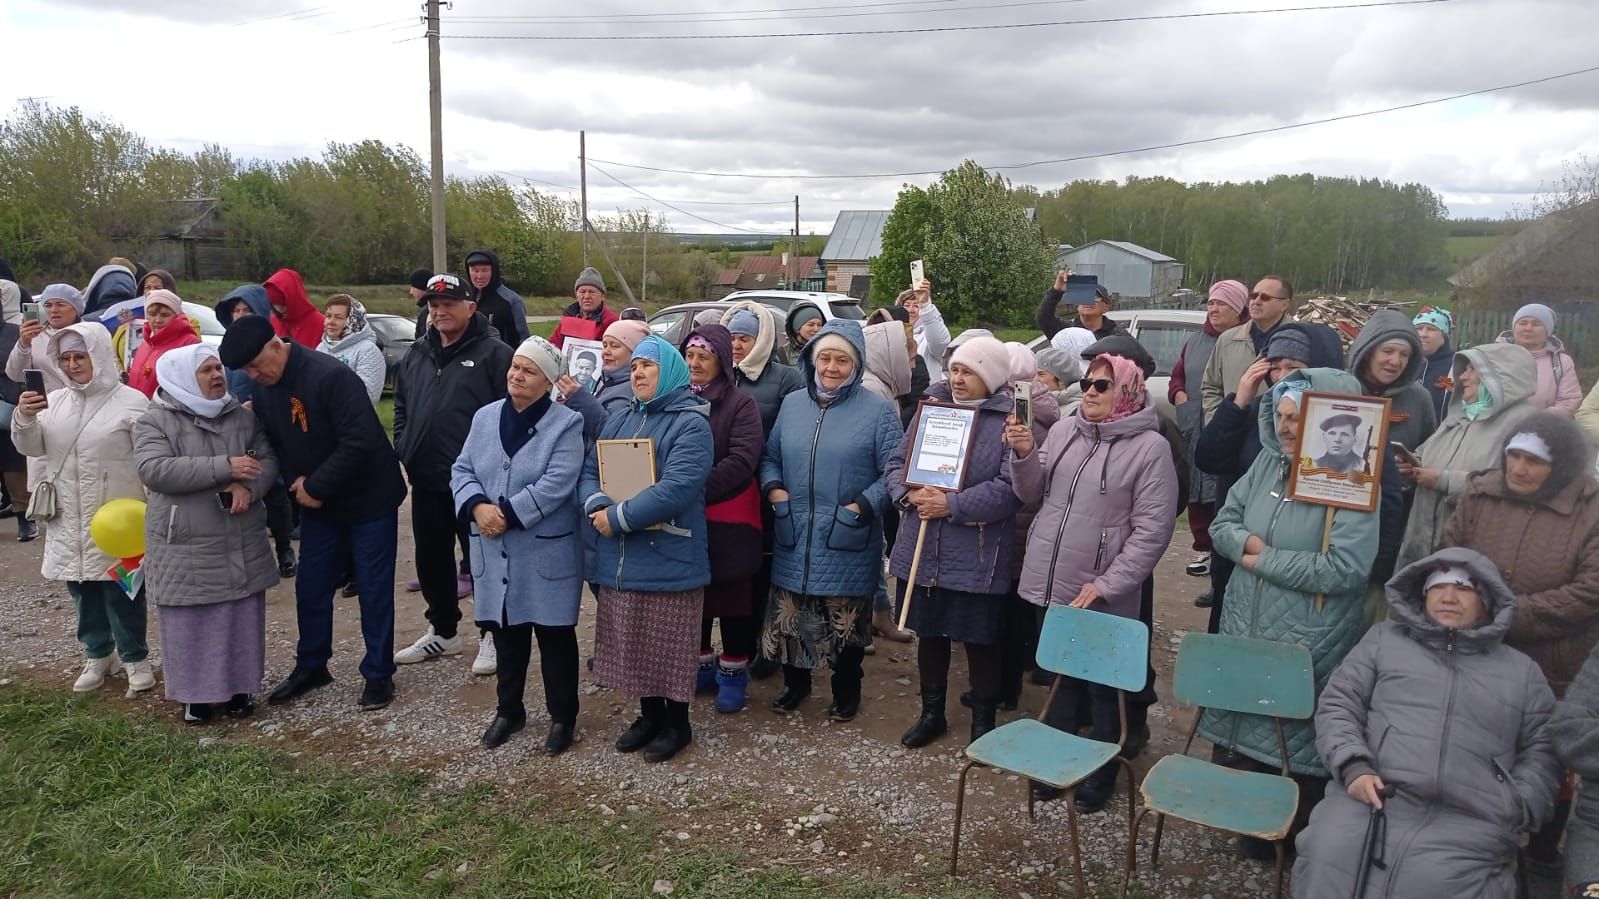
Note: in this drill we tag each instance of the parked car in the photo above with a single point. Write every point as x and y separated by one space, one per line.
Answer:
1163 332
395 334
211 329
673 323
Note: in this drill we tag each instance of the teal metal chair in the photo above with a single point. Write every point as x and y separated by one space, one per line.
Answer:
1235 674
1086 645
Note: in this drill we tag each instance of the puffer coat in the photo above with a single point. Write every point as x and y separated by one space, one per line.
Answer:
1458 723
1558 387
1276 601
828 456
195 553
1106 493
361 354
1574 730
96 469
1461 446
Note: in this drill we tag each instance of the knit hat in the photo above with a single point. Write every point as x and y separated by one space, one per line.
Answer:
803 314
629 333
1233 293
449 287
591 277
1061 364
1450 574
542 353
1072 340
64 292
244 341
1531 444
743 321
165 298
1538 311
1289 343
988 358
1437 316
421 277
164 276
1023 364
836 341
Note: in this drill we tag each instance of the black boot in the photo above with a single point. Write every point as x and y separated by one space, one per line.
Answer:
932 724
796 686
1093 793
1006 704
652 711
199 713
559 739
982 717
675 735
847 685
242 705
288 564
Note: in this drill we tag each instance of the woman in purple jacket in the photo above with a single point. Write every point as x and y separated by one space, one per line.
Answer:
965 571
1107 485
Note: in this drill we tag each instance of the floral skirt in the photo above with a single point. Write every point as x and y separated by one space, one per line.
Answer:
648 643
808 631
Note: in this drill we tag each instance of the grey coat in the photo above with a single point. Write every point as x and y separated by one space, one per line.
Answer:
1574 730
195 553
1458 723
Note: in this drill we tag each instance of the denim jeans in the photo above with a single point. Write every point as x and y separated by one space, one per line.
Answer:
109 621
324 547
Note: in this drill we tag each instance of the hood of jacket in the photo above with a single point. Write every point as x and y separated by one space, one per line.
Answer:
850 331
111 284
106 374
355 339
886 356
1324 380
765 338
1383 326
1508 372
253 295
1407 601
289 285
481 257
721 342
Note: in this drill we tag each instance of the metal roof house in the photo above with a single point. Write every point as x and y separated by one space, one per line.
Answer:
1129 270
856 239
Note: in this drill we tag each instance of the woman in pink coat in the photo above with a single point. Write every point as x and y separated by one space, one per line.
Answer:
1533 329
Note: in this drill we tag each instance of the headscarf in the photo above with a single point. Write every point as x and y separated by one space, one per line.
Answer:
356 321
1073 340
1294 389
177 371
1475 408
696 341
167 281
1129 389
544 355
674 371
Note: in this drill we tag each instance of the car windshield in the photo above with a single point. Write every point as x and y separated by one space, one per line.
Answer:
393 327
1165 341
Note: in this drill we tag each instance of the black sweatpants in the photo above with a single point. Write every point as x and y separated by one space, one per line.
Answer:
557 665
983 664
436 530
280 515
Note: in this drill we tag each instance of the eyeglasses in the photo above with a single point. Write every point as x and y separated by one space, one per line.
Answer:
1258 295
1098 385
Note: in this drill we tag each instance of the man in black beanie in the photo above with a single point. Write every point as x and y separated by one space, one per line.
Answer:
340 467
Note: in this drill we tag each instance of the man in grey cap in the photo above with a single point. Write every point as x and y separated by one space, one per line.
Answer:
587 318
1338 436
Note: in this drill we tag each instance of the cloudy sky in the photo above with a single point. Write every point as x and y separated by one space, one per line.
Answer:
275 80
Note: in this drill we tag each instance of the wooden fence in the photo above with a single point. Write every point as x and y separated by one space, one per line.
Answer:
1576 324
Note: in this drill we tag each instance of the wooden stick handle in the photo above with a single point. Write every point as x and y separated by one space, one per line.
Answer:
910 587
1326 541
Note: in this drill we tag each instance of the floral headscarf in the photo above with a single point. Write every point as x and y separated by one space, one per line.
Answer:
356 321
1129 391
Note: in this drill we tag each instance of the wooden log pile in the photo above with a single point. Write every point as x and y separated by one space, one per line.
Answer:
1342 314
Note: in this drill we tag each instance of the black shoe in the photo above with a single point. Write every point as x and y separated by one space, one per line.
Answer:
1137 739
500 730
288 564
932 724
1255 849
378 692
844 709
350 591
1008 704
982 719
300 682
241 706
199 713
761 669
651 714
675 735
1043 792
1204 600
1094 793
27 530
1042 677
796 686
559 739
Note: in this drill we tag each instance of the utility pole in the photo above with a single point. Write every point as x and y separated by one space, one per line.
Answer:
794 257
583 185
436 117
644 276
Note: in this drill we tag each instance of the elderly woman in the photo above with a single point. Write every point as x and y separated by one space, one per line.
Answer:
60 305
651 561
1433 706
1281 569
614 387
757 371
964 576
82 434
823 475
515 484
207 566
1574 731
1105 484
733 516
1386 356
1488 400
1533 330
347 337
165 328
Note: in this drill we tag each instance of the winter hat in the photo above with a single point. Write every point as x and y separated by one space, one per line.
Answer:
421 277
449 287
708 317
71 342
177 373
743 321
1553 436
1130 395
1233 293
1023 364
64 292
244 341
1289 343
803 314
835 341
590 277
1072 340
1061 364
1531 444
628 333
165 298
1437 316
1539 311
1450 574
988 358
542 353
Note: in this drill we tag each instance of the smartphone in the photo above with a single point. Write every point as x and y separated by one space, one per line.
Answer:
917 274
225 500
1023 399
33 380
1404 453
30 312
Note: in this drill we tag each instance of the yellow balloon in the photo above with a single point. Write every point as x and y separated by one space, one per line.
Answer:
118 528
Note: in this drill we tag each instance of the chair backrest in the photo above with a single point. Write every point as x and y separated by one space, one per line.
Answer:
1245 674
1095 646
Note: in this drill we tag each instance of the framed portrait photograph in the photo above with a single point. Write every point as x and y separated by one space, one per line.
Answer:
1342 439
584 361
940 445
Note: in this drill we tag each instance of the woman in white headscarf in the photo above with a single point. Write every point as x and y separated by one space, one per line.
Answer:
208 562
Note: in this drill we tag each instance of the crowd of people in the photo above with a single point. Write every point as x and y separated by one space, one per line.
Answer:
1452 628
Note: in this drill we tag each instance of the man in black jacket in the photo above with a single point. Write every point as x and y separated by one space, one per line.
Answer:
340 467
502 306
1092 299
457 369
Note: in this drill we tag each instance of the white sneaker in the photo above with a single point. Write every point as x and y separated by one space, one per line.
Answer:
141 676
95 671
428 646
488 658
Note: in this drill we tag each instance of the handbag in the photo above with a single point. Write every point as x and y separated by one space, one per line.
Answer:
42 506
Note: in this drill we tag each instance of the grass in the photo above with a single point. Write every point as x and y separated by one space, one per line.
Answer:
1465 250
391 299
99 802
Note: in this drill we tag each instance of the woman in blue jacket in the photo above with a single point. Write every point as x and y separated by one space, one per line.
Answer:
823 474
650 562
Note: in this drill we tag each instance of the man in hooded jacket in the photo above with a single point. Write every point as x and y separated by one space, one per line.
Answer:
499 305
111 284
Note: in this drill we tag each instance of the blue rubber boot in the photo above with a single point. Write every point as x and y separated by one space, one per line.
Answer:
732 684
705 681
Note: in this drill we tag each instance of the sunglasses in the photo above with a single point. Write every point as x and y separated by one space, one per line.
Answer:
1098 385
1258 295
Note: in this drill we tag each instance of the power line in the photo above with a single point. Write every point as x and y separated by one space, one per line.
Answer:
669 205
568 187
700 12
537 20
291 14
940 29
1126 152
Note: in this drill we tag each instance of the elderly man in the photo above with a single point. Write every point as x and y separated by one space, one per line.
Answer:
501 306
587 318
340 467
458 368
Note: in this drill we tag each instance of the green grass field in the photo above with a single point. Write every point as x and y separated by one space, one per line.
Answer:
1464 250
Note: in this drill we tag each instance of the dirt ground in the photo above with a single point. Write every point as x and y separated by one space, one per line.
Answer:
798 790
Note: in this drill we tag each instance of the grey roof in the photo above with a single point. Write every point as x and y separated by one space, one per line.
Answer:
857 235
1135 249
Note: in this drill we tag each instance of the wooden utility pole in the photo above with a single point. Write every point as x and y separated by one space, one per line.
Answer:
794 256
583 186
436 117
644 275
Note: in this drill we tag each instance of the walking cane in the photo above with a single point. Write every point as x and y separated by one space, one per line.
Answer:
1372 852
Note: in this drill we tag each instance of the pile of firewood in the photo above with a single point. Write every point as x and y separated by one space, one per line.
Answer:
1342 314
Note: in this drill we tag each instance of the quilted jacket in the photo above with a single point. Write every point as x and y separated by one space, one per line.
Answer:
1574 730
827 457
1459 724
1276 601
195 553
